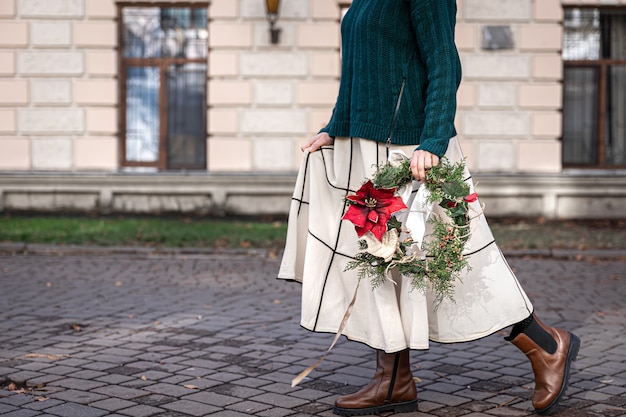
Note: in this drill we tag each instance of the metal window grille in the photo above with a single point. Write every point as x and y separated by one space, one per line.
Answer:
594 87
163 59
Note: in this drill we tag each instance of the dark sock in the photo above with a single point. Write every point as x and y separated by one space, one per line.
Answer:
520 327
541 337
536 333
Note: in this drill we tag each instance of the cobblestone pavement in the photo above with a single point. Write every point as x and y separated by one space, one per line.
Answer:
218 335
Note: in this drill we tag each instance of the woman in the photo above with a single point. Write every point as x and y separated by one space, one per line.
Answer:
400 74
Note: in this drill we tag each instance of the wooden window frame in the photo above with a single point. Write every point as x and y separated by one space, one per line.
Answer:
162 64
602 65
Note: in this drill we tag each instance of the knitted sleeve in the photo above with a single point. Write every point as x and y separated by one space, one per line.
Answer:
434 21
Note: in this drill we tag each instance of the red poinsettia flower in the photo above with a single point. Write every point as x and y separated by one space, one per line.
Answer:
371 208
471 198
451 204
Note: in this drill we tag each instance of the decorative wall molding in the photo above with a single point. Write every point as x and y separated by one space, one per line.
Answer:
562 196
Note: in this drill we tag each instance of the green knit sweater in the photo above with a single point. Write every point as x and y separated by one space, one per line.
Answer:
383 43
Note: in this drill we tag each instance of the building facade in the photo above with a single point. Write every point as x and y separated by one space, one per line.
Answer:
188 106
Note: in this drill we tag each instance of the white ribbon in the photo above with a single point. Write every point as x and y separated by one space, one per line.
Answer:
419 210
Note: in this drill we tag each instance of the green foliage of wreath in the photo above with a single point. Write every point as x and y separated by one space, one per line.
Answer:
444 247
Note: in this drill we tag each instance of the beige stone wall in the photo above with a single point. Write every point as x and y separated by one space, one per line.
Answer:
510 100
58 108
267 99
59 100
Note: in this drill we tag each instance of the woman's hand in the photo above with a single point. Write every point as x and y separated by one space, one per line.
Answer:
316 142
421 162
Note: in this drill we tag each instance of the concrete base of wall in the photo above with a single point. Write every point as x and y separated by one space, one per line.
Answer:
562 196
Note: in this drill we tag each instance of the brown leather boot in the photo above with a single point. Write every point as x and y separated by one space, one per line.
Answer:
551 369
391 389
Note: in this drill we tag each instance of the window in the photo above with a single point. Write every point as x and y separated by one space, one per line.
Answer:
594 88
163 76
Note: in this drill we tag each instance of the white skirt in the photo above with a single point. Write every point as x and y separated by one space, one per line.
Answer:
392 317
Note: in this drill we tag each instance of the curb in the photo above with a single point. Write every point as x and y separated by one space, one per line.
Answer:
574 254
68 250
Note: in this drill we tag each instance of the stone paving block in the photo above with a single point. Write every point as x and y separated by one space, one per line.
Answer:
194 353
113 415
610 390
153 375
502 400
174 359
427 406
592 395
118 351
140 346
479 374
34 366
152 357
477 406
141 411
508 411
74 396
44 380
73 362
114 379
155 400
204 364
441 398
123 370
16 400
252 382
280 400
313 408
112 404
224 377
587 385
483 366
281 388
250 369
23 376
346 380
275 412
201 383
235 391
120 392
168 389
249 407
229 413
443 387
457 380
5 408
100 366
203 372
21 413
77 384
515 371
76 410
105 342
176 380
114 359
191 408
212 398
41 405
62 370
137 383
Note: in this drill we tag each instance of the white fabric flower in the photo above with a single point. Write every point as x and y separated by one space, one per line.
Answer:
384 248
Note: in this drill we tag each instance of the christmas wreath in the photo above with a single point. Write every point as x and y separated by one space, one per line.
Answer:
386 243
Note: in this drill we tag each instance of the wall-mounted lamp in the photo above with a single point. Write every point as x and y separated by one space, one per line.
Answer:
272 16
